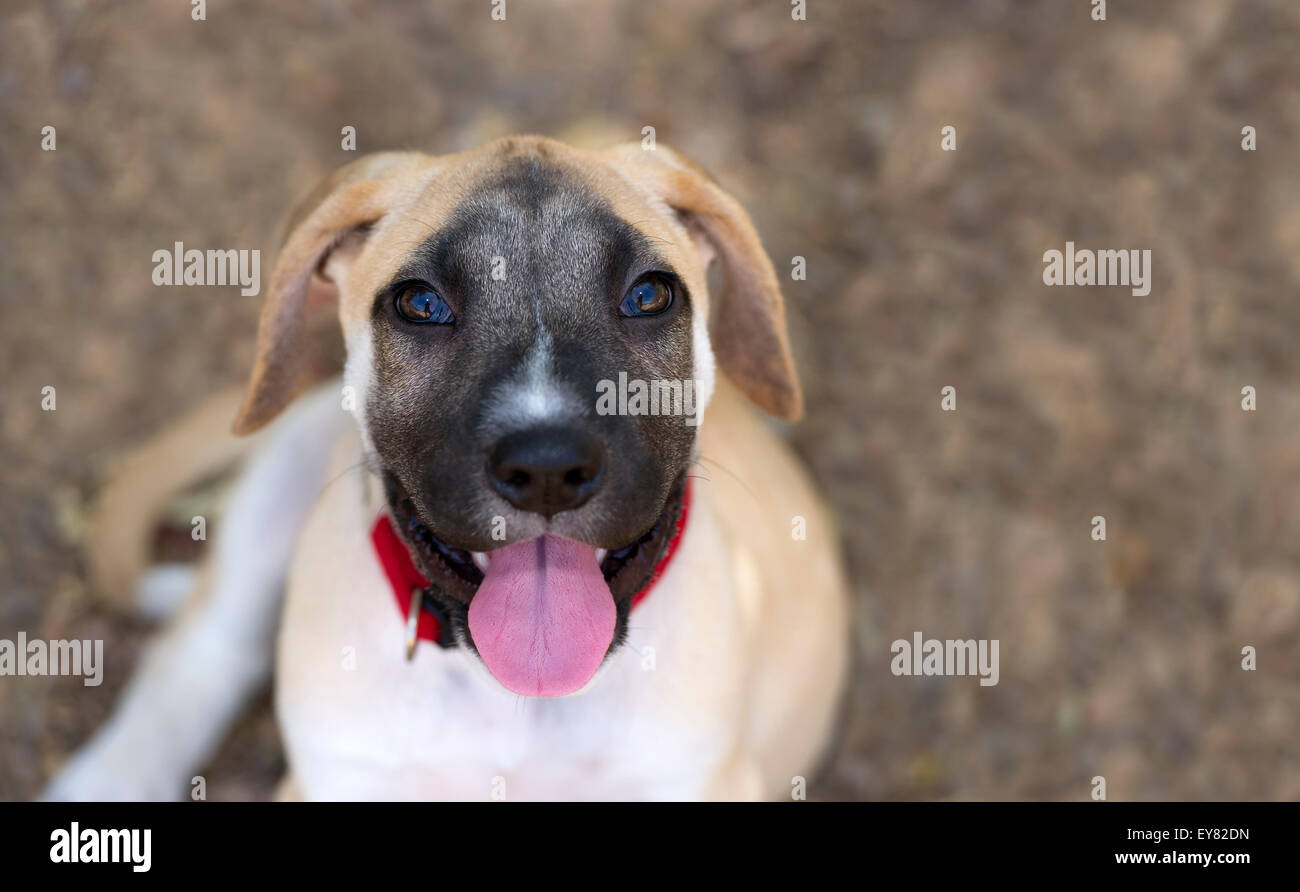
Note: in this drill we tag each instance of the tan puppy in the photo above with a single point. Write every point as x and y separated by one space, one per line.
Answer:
624 604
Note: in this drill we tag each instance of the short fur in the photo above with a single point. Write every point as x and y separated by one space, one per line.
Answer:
722 685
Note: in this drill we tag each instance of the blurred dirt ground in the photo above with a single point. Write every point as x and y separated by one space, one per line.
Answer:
1118 658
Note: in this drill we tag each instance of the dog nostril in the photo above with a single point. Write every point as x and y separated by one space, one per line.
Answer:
547 470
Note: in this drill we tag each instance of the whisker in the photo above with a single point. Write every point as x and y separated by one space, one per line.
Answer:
736 477
341 474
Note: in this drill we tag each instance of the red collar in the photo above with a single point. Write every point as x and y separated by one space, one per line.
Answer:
406 580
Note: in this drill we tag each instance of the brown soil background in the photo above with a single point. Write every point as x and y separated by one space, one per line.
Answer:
1118 658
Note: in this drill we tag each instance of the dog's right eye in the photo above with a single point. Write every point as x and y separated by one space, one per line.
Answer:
418 302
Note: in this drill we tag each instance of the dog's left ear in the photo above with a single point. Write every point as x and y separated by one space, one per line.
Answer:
747 326
351 199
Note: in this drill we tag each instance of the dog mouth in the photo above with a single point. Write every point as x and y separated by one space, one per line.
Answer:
544 613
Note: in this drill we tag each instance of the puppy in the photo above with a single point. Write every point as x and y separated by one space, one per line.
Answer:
522 563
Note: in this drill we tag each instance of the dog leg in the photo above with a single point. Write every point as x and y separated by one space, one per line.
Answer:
211 658
739 780
198 445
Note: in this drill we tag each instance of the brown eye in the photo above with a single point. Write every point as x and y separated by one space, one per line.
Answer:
419 303
648 297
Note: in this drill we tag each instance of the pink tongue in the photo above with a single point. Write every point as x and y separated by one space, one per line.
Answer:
543 617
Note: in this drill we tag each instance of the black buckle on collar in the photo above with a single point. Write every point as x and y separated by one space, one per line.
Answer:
445 637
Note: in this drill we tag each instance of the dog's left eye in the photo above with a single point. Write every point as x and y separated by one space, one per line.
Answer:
420 303
648 297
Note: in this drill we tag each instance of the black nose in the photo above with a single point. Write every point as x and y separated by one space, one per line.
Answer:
546 471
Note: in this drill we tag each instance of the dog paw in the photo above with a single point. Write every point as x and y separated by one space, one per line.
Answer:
92 776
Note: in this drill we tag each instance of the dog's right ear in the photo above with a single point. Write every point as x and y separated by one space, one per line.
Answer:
354 197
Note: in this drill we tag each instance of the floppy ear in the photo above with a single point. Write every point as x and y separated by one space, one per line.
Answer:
353 197
747 325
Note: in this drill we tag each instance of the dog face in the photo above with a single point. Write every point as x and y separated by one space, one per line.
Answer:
490 302
486 414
